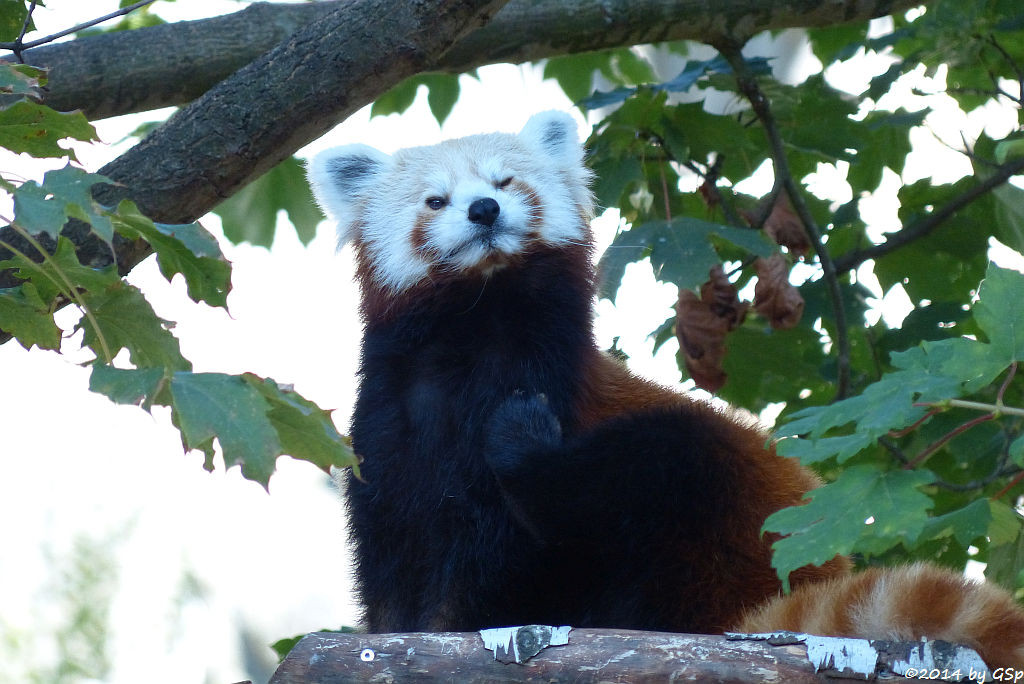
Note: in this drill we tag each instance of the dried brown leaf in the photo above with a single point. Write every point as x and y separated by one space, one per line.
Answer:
702 323
774 297
782 225
786 228
701 337
722 297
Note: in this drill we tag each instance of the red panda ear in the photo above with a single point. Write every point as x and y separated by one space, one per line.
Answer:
343 176
554 133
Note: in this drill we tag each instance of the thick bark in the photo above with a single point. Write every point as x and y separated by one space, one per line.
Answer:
167 65
283 100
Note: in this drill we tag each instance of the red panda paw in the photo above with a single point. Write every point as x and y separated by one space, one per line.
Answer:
903 604
522 429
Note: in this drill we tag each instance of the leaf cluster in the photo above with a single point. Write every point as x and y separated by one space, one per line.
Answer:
253 419
913 417
923 456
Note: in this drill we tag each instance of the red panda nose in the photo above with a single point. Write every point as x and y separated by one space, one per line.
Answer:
484 212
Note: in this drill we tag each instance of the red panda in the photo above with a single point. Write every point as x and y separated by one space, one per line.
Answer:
513 473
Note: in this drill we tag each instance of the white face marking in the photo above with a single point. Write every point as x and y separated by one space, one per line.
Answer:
411 212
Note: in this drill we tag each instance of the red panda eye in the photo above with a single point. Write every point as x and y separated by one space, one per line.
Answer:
505 183
436 203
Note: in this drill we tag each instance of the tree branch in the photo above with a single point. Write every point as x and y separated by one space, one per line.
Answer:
606 655
924 226
748 85
340 56
997 474
267 110
132 71
17 46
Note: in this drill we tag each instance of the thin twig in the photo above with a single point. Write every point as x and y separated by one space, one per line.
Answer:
1006 383
919 229
996 92
980 406
69 290
997 474
748 85
18 46
711 193
893 449
873 346
907 430
768 203
995 409
691 166
21 34
976 159
664 193
941 441
1013 483
1013 65
711 180
749 261
1002 468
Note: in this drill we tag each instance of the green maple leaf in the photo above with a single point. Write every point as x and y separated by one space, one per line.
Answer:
65 193
1009 225
253 419
834 521
226 407
442 93
186 249
250 215
120 317
127 386
681 251
36 129
37 212
21 79
998 312
24 314
12 19
966 524
305 430
60 270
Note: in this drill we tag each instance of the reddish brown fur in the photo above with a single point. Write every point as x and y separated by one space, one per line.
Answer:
418 237
610 390
918 604
904 603
925 601
536 206
380 303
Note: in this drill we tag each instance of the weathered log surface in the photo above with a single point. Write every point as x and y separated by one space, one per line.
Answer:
604 655
592 655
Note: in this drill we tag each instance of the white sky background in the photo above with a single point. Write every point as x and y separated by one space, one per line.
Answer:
74 465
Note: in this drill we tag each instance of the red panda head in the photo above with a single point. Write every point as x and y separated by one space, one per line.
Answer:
469 205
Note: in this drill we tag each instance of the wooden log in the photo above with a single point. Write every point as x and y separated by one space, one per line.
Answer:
606 655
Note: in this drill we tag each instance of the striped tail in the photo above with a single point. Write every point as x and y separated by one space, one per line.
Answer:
904 604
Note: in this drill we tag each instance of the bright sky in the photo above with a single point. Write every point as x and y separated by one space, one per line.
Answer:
200 557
